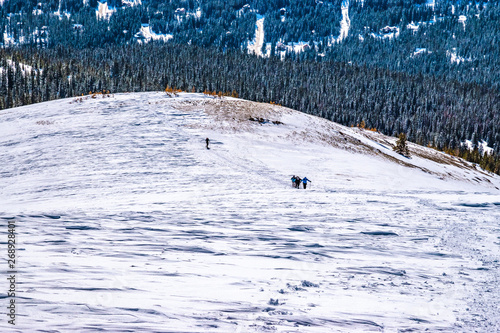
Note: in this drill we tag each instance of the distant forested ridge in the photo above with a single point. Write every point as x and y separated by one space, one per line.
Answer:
457 40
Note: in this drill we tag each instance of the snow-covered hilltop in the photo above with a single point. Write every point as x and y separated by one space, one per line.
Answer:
127 221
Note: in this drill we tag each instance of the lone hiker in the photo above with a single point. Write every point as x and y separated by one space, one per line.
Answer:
304 182
207 140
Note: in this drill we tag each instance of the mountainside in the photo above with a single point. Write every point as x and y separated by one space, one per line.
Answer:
457 40
127 222
430 111
429 69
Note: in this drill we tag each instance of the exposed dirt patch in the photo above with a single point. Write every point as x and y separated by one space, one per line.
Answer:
234 115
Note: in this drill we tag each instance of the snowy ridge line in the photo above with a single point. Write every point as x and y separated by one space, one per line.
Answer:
129 223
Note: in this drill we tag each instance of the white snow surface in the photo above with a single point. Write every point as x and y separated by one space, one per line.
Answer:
483 144
255 46
455 58
8 39
462 19
345 24
283 49
103 11
131 3
126 222
419 51
416 26
145 35
413 26
62 14
25 69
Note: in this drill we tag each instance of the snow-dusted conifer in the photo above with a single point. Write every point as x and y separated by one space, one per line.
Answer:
401 146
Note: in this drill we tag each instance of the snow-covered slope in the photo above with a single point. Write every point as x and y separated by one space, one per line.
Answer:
126 222
104 12
255 46
146 35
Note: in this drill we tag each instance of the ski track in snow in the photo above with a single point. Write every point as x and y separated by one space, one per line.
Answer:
345 25
255 46
127 223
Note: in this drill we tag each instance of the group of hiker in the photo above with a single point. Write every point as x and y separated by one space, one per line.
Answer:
296 180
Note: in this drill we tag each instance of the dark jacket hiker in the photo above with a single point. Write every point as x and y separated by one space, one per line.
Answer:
297 182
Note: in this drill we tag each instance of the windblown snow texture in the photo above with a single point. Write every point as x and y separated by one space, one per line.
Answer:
126 222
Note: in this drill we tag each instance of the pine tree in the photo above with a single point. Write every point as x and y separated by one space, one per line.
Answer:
401 146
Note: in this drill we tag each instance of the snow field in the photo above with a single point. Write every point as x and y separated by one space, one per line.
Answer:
127 222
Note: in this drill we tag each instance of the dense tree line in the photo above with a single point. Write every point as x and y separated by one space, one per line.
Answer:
456 40
430 110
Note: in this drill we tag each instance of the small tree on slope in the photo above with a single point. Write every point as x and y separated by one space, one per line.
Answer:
401 147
